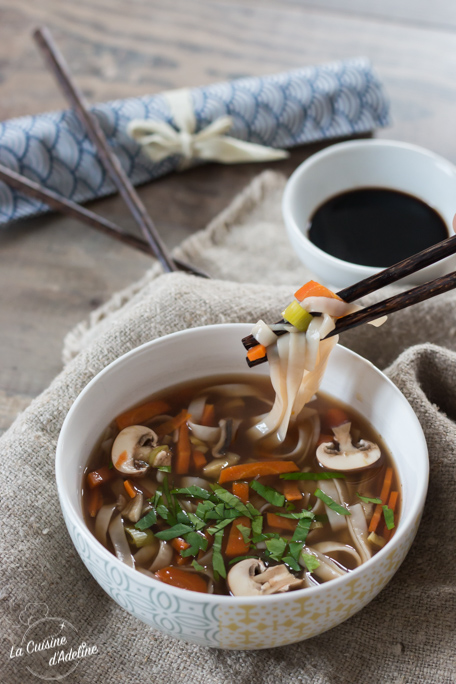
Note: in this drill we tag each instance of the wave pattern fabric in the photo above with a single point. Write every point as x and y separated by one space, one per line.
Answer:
284 110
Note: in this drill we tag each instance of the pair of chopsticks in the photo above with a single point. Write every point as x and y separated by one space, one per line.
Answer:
389 275
152 243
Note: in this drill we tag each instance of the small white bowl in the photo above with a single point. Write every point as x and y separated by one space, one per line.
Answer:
225 621
360 164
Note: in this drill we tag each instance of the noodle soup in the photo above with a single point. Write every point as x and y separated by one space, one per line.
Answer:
183 489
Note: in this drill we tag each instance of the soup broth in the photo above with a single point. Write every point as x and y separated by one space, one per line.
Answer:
215 499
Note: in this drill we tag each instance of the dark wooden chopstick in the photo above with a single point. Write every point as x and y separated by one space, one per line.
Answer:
389 275
59 67
387 306
65 206
396 303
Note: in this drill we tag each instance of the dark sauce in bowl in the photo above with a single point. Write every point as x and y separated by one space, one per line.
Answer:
375 226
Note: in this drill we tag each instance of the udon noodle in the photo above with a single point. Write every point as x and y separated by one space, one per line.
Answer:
227 485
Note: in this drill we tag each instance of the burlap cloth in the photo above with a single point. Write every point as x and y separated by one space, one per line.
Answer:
405 635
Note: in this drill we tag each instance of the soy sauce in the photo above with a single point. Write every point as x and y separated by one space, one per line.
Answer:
375 226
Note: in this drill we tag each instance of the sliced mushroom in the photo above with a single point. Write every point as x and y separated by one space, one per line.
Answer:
342 454
251 578
132 448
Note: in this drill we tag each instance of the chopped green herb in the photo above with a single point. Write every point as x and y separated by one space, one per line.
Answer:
155 500
321 519
163 512
164 469
252 510
182 517
298 515
197 566
173 532
194 491
369 499
257 527
312 476
203 509
217 558
240 558
302 530
268 493
197 541
147 521
276 548
310 561
295 549
290 561
231 501
196 521
290 507
388 514
220 526
245 531
110 465
333 505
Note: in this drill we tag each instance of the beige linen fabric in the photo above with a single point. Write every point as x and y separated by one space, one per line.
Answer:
406 635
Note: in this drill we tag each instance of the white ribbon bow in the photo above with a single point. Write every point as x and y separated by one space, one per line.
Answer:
160 140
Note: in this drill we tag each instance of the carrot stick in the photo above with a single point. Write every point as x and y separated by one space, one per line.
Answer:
199 459
256 352
95 501
180 560
179 544
241 489
131 491
140 414
383 496
248 471
274 520
100 476
392 501
182 578
236 545
184 450
314 289
291 490
208 417
173 424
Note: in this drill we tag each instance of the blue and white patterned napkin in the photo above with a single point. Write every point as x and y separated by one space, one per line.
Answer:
281 111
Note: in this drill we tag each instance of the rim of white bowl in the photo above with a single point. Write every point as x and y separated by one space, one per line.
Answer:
339 148
77 519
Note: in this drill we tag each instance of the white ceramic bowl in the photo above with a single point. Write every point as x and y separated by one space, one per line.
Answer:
224 621
359 164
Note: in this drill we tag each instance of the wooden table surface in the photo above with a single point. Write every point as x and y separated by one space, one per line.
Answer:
53 270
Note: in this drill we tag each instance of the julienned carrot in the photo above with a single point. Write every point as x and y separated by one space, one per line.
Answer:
236 545
98 477
131 491
179 544
335 417
248 471
181 560
95 501
140 414
184 450
291 490
383 496
171 425
182 579
314 289
392 502
257 352
274 520
241 489
199 459
208 417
